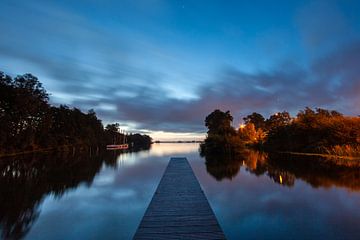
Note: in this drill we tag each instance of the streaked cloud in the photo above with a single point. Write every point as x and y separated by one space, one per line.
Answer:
160 67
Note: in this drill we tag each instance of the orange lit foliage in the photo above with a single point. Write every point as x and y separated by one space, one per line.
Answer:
317 131
250 135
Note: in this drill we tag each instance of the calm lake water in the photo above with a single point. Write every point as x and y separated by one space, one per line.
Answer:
105 197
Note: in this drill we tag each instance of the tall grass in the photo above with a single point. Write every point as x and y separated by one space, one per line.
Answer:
343 150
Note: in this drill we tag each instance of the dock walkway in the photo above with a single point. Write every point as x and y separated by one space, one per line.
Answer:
179 208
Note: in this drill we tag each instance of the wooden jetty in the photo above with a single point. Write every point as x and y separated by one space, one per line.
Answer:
179 208
117 147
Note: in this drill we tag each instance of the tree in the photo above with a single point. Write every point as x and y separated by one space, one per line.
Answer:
250 135
23 110
113 128
255 118
219 123
112 134
277 120
139 141
222 137
7 99
317 130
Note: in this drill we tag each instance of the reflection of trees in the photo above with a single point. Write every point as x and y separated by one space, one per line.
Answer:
316 171
281 177
258 164
285 169
25 181
255 162
222 166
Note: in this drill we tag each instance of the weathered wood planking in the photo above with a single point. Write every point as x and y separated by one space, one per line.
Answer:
179 208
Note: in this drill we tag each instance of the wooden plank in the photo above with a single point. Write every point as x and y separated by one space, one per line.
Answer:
179 208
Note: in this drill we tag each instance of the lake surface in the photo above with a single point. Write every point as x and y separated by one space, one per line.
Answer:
105 196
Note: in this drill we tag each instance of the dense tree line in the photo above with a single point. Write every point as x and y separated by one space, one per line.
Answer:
319 131
312 131
28 122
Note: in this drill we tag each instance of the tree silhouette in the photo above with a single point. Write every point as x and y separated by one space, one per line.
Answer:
222 137
278 120
255 118
219 123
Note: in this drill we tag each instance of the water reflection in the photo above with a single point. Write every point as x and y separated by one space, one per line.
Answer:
221 167
281 197
284 169
162 149
26 180
105 196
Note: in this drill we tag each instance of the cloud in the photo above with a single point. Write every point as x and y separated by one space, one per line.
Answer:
341 72
331 82
130 76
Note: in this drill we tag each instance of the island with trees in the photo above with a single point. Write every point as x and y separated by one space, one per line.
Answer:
29 123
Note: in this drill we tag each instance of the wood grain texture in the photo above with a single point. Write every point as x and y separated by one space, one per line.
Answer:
179 208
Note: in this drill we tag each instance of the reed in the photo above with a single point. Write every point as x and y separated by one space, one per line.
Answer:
343 150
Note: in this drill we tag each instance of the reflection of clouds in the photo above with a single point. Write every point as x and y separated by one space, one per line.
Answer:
254 207
248 207
112 207
157 150
163 149
124 193
129 159
103 179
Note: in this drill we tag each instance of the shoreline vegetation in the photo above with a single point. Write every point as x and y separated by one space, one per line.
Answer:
319 133
29 123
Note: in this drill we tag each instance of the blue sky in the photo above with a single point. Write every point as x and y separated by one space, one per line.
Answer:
160 67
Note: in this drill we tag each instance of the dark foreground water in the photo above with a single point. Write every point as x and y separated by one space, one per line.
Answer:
104 197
